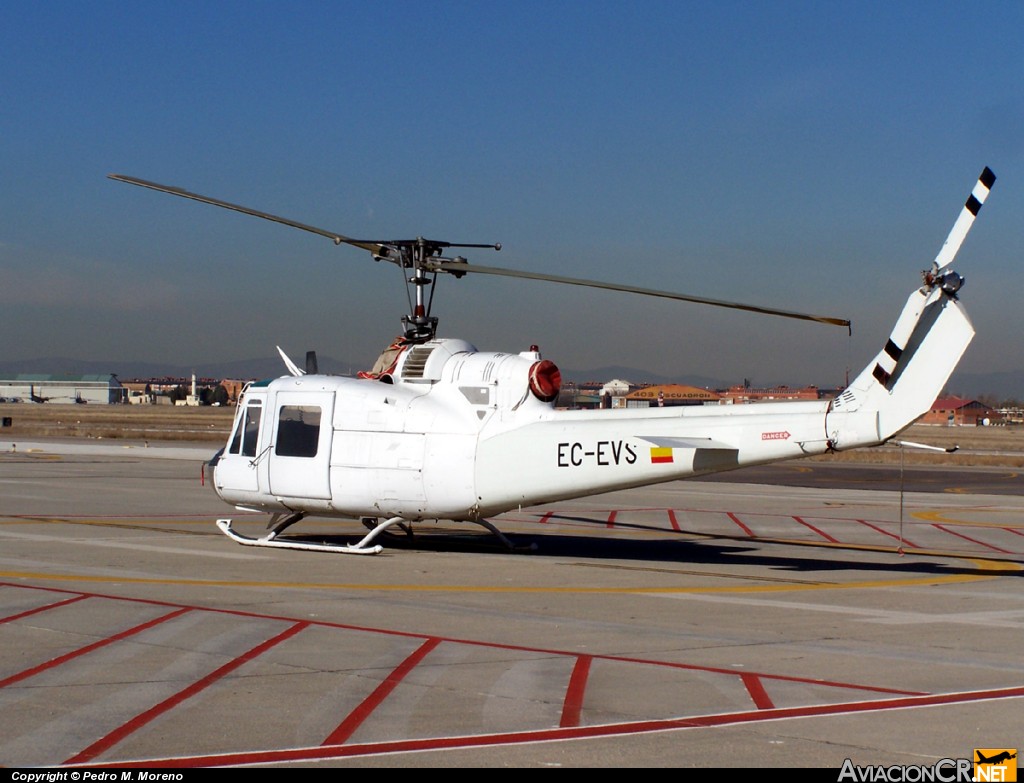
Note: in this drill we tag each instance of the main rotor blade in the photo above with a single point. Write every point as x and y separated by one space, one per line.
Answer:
374 247
379 250
965 219
460 268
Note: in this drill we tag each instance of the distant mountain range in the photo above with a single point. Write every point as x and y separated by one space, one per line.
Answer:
1001 385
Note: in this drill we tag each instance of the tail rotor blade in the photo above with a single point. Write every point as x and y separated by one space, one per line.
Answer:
965 220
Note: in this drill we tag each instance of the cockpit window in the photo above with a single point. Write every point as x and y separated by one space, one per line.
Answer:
298 431
244 440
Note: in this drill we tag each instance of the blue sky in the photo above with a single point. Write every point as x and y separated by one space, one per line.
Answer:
808 156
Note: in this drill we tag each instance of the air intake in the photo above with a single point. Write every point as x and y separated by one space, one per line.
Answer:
416 361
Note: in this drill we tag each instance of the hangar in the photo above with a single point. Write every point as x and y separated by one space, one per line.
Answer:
40 387
669 394
960 412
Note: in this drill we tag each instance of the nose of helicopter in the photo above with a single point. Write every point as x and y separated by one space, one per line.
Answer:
210 466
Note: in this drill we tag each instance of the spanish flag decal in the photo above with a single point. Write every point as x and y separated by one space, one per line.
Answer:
661 454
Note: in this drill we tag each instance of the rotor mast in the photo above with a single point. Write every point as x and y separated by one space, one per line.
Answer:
420 325
423 257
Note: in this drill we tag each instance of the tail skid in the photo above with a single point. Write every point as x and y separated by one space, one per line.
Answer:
925 346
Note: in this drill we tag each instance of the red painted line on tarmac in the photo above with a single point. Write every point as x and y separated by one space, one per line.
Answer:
972 540
611 519
38 609
755 687
487 645
146 601
572 707
887 533
60 659
42 589
382 691
821 533
118 734
743 527
584 732
1013 530
673 521
762 675
544 519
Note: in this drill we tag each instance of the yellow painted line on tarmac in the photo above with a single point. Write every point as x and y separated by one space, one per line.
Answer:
967 490
991 569
988 568
36 454
941 516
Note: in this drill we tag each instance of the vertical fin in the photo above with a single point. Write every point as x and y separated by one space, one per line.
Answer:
922 351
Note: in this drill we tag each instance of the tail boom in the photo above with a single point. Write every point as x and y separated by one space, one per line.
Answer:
908 374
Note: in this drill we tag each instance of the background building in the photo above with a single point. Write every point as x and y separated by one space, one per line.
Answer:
666 394
959 411
40 387
745 393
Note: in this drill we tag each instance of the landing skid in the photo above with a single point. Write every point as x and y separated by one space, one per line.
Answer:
271 540
360 548
503 538
370 523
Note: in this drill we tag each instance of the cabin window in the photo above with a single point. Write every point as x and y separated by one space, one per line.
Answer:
298 431
244 441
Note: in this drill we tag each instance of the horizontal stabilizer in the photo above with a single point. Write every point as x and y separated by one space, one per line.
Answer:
687 443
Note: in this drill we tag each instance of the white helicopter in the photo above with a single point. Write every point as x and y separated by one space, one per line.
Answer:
441 431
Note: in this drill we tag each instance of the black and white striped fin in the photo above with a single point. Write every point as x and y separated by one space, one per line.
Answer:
889 357
965 220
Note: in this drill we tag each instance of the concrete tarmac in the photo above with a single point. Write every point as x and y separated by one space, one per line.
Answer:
717 623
